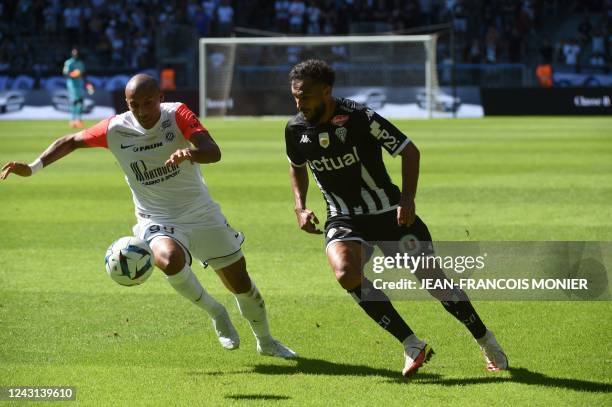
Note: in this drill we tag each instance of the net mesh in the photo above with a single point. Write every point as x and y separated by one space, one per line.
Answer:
249 78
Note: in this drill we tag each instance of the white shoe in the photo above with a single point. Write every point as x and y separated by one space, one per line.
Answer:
228 337
417 353
272 347
493 353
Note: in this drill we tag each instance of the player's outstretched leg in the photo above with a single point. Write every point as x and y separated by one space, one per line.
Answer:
345 259
253 308
170 258
457 303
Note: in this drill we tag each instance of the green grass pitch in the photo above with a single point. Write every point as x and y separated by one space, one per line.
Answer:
64 322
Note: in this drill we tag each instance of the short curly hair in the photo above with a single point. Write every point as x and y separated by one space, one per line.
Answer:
314 69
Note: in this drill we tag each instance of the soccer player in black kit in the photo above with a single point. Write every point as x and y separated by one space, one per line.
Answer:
342 141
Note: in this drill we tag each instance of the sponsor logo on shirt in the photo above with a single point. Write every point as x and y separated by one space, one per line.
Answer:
389 141
153 176
340 119
341 133
143 148
324 139
335 163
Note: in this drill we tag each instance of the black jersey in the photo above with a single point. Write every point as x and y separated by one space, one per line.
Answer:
345 157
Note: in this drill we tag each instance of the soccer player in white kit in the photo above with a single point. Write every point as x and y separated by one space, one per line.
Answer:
158 146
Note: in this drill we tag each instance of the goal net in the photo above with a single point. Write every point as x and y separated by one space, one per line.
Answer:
393 74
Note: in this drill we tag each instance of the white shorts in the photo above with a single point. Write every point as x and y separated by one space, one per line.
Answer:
211 240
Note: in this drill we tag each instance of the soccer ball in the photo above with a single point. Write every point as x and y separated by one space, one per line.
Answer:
129 261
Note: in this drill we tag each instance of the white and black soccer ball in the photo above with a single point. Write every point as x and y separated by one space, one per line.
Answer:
129 261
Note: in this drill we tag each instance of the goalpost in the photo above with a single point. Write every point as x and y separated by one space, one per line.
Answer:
249 76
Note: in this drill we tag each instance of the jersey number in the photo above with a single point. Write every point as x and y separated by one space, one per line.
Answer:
157 228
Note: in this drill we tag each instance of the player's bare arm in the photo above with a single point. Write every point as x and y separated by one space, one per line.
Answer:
57 150
306 218
406 211
204 151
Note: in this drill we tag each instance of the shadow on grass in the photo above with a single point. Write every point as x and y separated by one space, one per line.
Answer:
526 376
323 367
517 375
257 397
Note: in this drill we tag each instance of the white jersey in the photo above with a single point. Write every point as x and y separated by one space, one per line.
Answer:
175 193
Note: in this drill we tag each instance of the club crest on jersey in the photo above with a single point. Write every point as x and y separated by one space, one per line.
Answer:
324 139
341 133
340 119
170 136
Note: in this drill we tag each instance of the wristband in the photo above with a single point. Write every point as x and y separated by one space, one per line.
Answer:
36 166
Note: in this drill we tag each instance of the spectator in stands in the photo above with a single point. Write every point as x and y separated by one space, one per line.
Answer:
297 9
474 52
598 40
72 22
544 73
117 55
202 22
225 19
571 51
491 45
281 15
51 14
313 13
328 24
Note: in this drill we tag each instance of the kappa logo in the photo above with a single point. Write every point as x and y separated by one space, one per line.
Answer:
339 232
340 119
341 134
304 139
324 139
369 113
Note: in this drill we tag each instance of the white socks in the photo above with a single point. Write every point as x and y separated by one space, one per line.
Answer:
251 304
187 284
252 307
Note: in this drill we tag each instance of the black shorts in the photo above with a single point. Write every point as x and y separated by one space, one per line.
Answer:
381 230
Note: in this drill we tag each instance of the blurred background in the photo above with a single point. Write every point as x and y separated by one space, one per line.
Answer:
494 44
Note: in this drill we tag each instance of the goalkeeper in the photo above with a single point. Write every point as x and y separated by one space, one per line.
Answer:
74 70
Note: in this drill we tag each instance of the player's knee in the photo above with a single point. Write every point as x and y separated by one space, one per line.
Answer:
348 276
170 260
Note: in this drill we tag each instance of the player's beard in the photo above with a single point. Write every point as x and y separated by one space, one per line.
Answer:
317 113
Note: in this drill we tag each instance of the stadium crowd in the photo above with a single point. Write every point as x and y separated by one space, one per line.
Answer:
122 34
